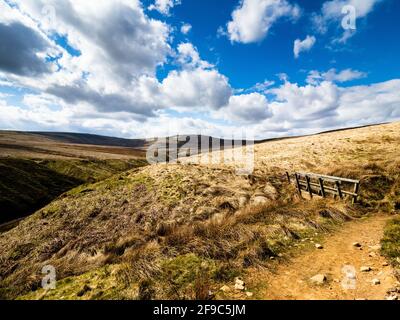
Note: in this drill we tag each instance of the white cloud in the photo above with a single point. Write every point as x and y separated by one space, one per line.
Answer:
164 6
332 75
252 20
112 88
196 88
139 45
247 108
331 12
303 45
333 9
188 56
304 103
186 27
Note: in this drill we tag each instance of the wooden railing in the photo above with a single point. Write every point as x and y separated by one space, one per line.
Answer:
321 185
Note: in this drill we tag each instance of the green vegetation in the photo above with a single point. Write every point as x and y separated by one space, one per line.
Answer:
28 185
25 186
181 231
391 240
92 170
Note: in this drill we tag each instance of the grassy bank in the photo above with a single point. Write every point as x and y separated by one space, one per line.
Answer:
28 185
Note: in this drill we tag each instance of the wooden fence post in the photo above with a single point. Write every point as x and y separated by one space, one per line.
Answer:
309 186
321 184
288 176
356 190
339 190
298 184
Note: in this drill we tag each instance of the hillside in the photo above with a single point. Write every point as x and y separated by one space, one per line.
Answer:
67 146
182 230
36 169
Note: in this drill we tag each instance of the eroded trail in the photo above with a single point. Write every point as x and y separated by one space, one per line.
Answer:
291 280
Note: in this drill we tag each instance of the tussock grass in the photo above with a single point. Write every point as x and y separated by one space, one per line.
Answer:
182 230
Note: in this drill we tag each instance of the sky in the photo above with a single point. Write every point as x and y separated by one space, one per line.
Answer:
151 68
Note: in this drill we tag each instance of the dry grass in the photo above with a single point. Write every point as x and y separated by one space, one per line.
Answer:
179 231
32 146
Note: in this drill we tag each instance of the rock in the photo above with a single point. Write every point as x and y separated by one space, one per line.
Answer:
372 254
357 245
319 246
385 264
375 282
392 297
319 279
239 287
225 289
249 294
365 269
270 190
243 200
239 284
259 200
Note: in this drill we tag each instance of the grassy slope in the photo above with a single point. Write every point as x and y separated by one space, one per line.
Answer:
27 185
391 244
177 231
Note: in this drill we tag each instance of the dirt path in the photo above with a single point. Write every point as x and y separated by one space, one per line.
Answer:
291 280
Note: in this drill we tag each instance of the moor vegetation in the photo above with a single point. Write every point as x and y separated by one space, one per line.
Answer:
182 231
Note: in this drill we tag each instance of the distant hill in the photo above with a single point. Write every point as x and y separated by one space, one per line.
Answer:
92 139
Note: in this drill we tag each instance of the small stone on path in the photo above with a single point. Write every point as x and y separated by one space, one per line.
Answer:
319 279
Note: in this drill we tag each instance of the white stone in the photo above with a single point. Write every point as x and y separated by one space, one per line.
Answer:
319 279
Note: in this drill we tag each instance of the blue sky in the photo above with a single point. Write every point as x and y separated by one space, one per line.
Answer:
128 68
373 49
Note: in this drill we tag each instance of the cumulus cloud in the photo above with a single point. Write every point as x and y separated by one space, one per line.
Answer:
112 87
23 50
164 6
196 88
303 45
331 12
252 19
186 27
188 56
332 75
305 103
247 108
109 69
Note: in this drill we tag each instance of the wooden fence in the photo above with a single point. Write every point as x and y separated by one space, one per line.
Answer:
321 185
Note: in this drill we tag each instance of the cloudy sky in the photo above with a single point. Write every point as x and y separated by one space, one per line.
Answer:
149 68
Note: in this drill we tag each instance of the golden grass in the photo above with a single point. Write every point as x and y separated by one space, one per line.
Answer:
151 220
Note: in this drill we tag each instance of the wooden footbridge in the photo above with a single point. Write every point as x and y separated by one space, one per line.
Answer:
321 185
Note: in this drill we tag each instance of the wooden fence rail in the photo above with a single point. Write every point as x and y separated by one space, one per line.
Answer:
321 185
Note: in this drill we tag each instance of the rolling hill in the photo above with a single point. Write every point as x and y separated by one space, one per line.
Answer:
182 230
